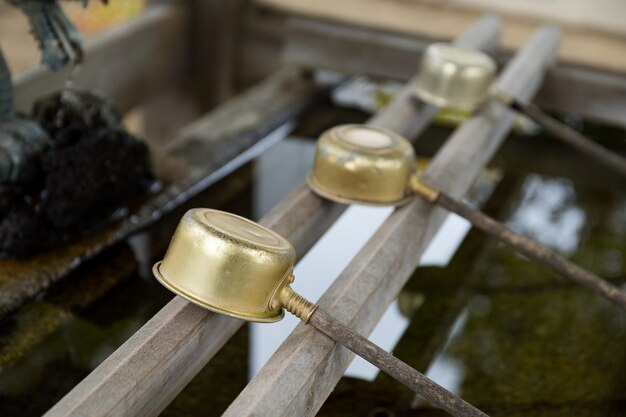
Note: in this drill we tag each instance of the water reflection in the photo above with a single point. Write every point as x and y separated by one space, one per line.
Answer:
446 370
281 168
548 213
554 347
506 333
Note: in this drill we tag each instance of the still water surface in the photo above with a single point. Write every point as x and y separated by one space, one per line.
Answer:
502 331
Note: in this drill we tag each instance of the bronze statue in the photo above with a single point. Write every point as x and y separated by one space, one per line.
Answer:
56 35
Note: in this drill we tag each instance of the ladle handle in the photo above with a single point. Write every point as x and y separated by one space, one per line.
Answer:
572 137
393 366
533 250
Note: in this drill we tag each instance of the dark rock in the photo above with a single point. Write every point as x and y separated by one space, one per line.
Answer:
88 180
89 168
22 142
24 231
6 201
75 108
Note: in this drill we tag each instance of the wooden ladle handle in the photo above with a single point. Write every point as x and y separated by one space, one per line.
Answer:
533 250
393 366
571 137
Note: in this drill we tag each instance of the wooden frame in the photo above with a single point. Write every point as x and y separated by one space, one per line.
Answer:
590 44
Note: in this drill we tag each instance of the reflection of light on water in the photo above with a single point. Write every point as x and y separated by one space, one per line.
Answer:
364 93
446 371
332 253
617 220
280 168
447 240
548 215
393 324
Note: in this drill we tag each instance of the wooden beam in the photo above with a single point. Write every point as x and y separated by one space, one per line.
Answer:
154 365
262 45
129 63
216 29
304 370
607 17
596 95
591 93
313 43
581 45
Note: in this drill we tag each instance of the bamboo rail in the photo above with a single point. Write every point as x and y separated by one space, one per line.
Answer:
155 364
304 370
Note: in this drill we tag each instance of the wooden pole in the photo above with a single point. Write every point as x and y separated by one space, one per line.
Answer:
567 135
530 248
393 366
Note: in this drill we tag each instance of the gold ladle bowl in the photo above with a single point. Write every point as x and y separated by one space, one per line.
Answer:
454 76
363 165
360 164
228 264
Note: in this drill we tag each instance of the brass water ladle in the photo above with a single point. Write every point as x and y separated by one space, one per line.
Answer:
462 78
233 266
365 165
